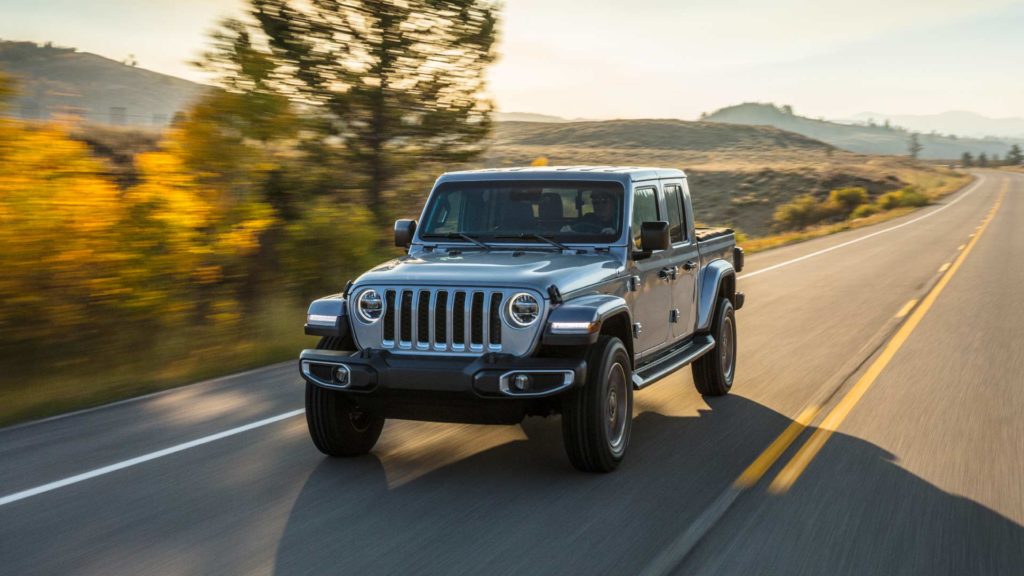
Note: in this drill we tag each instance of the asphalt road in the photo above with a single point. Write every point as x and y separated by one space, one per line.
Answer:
921 470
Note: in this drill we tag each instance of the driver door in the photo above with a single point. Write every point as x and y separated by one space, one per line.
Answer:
652 299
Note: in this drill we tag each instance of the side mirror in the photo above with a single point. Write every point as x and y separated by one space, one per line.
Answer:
654 236
404 231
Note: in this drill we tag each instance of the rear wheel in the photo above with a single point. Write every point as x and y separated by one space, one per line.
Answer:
336 424
713 372
597 418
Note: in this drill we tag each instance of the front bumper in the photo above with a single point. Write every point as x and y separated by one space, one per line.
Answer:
452 389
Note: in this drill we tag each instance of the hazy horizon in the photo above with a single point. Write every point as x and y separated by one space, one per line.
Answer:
653 58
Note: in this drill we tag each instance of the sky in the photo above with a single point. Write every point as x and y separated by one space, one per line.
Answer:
651 58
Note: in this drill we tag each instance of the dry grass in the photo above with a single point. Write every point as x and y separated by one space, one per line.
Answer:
936 188
178 358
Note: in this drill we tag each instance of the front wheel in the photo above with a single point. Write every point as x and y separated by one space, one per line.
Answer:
336 424
713 372
597 418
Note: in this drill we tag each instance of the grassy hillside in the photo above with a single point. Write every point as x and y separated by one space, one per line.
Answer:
863 139
652 134
53 81
738 175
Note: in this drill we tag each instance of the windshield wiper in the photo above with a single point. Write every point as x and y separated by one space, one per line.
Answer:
461 236
526 235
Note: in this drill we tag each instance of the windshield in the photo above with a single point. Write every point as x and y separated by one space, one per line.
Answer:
560 211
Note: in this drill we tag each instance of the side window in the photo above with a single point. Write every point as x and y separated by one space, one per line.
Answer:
674 202
645 209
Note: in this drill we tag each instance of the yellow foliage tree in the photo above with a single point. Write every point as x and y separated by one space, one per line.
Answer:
60 248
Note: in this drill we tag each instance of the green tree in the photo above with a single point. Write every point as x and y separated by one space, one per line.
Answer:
982 160
967 160
1014 157
914 145
397 82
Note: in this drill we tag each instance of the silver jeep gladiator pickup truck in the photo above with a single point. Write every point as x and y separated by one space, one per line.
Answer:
528 292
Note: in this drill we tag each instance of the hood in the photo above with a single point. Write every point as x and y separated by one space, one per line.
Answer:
532 269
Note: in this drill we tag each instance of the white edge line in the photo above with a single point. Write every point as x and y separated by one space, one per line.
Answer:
962 195
144 458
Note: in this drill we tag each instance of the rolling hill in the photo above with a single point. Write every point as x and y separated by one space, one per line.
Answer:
739 174
651 134
863 139
53 81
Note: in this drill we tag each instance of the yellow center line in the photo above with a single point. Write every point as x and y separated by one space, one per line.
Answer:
789 474
758 467
906 308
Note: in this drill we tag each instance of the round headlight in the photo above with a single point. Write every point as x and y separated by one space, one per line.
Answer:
370 306
523 310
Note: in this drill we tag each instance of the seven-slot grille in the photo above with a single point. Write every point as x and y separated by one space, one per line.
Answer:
442 319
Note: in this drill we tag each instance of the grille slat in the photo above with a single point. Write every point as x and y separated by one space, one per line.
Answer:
405 314
495 323
442 320
423 318
458 316
477 319
467 320
390 321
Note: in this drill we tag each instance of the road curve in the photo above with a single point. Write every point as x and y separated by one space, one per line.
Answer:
922 475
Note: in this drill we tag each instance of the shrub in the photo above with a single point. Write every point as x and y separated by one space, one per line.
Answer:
865 210
845 200
803 211
911 197
901 198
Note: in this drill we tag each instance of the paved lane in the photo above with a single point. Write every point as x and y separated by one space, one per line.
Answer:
925 475
463 499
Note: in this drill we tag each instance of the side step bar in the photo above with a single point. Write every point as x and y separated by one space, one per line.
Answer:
673 360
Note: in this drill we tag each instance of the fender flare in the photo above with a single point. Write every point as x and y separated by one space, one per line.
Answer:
588 312
328 316
712 277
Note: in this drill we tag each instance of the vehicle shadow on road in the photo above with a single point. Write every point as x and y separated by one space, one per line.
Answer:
519 508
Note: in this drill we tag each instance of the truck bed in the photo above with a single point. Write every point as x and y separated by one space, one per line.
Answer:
704 234
714 244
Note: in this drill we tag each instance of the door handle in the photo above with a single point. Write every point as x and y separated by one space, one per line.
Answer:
669 272
689 265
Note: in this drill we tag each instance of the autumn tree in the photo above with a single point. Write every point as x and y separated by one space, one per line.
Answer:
397 82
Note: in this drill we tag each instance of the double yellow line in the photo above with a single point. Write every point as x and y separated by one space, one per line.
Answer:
795 467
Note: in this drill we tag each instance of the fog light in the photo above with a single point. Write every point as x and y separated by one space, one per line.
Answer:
521 382
341 375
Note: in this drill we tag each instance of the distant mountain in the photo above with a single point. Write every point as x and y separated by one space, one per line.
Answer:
53 81
863 139
959 122
527 117
651 135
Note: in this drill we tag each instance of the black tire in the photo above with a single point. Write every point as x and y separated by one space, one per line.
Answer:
596 419
336 425
714 372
